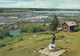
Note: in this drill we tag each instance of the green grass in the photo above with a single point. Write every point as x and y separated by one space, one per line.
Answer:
28 44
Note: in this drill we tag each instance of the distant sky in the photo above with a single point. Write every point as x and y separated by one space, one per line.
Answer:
69 4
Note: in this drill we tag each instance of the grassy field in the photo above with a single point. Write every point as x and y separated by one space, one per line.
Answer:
28 44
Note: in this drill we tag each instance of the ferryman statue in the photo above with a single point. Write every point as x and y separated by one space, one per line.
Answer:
52 45
53 26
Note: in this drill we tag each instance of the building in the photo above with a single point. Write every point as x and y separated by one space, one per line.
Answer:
69 26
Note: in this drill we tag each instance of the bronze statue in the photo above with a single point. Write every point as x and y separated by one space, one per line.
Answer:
53 38
52 45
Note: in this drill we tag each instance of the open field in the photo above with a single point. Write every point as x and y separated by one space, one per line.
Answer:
28 44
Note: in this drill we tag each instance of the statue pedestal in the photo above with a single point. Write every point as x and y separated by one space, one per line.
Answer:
47 52
52 47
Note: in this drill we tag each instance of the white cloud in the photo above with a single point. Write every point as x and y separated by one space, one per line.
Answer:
40 3
31 4
70 4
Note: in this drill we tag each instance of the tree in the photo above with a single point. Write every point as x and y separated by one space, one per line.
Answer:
54 24
35 28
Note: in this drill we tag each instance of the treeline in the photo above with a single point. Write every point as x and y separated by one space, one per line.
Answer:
34 28
35 9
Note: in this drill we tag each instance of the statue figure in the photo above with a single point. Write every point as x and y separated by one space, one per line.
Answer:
53 38
52 44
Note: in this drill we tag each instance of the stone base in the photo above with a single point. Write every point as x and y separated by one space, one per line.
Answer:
52 47
46 52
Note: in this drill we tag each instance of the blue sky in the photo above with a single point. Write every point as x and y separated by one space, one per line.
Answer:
40 4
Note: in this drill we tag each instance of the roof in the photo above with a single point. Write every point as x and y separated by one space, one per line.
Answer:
71 23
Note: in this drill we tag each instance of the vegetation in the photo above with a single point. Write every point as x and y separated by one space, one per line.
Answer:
28 44
3 34
33 28
34 9
35 37
54 24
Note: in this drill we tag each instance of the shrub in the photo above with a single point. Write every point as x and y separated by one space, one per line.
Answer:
1 37
10 49
2 45
4 33
21 39
35 28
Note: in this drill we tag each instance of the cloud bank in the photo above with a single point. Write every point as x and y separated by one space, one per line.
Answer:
40 4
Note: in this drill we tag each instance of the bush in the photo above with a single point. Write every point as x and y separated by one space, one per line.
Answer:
23 29
4 33
10 49
2 45
21 39
35 28
1 37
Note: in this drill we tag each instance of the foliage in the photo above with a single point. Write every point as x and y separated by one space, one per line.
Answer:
54 24
35 28
4 33
35 9
2 45
23 28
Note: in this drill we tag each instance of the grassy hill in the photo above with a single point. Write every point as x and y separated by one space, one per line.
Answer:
28 44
